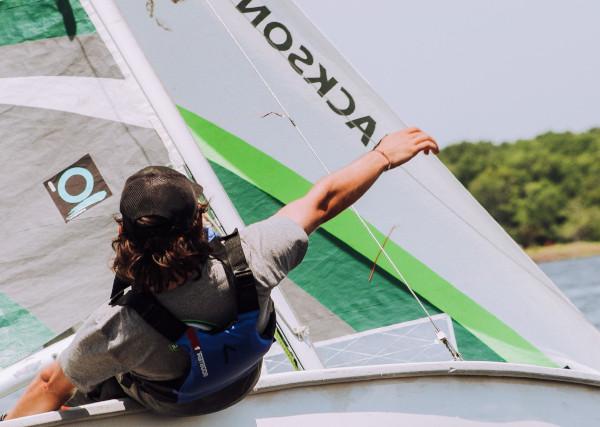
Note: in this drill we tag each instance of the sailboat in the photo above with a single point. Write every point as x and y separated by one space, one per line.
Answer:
413 308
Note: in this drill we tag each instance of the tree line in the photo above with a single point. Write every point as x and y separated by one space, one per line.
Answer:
543 190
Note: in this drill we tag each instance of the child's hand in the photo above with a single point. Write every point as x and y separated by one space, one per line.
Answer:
399 147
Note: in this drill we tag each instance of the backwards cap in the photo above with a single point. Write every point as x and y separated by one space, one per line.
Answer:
159 191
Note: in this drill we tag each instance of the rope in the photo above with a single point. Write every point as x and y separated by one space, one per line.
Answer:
439 334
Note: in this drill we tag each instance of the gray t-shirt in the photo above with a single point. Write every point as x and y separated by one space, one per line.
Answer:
115 340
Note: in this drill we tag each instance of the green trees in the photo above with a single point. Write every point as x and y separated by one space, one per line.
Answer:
542 190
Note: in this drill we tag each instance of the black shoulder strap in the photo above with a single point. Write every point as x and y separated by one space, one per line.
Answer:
228 250
118 288
148 308
155 314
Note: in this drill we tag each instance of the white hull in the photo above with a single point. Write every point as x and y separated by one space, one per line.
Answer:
431 394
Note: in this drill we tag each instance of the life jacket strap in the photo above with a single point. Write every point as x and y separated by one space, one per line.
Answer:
228 250
118 288
154 314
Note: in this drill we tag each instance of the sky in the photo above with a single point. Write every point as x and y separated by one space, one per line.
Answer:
474 69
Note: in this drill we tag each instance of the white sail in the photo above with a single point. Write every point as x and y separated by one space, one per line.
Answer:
72 120
261 72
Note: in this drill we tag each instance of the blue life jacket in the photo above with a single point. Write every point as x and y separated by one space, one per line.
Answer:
218 358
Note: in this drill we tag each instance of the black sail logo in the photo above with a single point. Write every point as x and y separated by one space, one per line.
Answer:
303 62
77 188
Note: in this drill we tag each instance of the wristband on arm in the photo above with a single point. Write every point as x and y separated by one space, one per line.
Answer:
389 165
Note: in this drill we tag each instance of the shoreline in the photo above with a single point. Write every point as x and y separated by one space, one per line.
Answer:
563 251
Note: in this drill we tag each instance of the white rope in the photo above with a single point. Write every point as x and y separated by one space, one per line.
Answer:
439 334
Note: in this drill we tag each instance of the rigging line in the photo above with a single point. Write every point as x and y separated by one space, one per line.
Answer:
267 86
407 172
480 234
373 268
439 333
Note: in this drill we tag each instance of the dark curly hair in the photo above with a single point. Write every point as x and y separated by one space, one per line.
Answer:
162 260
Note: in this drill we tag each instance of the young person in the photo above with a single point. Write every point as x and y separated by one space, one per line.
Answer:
133 347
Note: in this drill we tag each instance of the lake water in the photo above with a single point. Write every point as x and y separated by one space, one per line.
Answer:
579 279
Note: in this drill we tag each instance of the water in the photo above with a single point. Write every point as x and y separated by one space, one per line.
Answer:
579 279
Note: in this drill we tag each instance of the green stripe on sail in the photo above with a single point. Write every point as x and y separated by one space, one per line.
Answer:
330 266
27 20
285 185
20 332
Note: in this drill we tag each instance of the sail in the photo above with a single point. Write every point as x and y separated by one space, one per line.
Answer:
75 121
274 106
